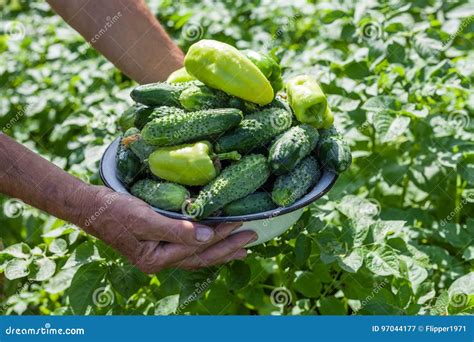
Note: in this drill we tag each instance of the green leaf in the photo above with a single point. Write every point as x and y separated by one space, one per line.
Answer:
17 268
302 249
19 250
332 306
167 306
87 252
352 262
395 53
42 269
427 47
308 284
382 261
127 279
85 282
58 246
440 308
356 70
380 103
61 281
238 275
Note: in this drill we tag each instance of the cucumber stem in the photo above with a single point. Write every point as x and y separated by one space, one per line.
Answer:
234 155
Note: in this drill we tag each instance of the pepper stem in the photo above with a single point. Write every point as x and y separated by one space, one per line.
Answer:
234 155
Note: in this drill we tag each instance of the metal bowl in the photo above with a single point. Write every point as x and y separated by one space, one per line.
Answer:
267 225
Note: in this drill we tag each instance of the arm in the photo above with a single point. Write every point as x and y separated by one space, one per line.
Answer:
126 33
124 222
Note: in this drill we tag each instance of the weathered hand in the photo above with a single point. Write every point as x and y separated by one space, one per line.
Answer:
153 242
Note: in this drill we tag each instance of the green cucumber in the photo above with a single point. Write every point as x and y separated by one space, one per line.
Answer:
291 147
139 146
256 130
200 96
334 154
166 196
290 187
235 181
128 165
189 126
159 94
146 114
257 202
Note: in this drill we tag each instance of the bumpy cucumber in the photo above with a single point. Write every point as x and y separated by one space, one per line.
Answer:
292 186
189 126
236 181
328 132
127 119
159 94
291 147
128 165
146 114
254 203
166 196
255 130
139 147
334 154
200 96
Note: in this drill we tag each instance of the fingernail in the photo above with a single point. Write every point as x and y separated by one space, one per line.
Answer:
236 225
204 233
254 238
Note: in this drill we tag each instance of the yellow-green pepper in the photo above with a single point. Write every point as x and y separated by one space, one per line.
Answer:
189 164
308 101
221 66
180 76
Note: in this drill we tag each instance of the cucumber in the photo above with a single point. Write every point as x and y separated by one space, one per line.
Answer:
189 126
200 96
334 154
255 130
291 147
159 94
257 202
328 132
288 188
166 196
139 147
236 181
146 114
127 119
128 165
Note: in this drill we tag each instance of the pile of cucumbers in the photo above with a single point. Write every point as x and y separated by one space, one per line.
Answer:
225 136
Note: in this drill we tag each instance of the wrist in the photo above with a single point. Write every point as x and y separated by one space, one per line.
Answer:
91 199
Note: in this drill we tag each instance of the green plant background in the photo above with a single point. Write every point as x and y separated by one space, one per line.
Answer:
395 235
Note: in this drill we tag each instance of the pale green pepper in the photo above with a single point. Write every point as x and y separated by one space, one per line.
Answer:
308 101
180 76
221 66
189 164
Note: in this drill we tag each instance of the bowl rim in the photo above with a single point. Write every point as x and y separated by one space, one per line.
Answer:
108 175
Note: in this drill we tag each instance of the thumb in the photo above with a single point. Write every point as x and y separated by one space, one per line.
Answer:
178 231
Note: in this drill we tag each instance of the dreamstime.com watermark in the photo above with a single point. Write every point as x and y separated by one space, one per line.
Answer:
457 209
200 288
109 22
291 22
109 200
461 28
46 330
19 114
372 294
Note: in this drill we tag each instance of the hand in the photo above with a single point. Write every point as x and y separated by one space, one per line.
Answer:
153 242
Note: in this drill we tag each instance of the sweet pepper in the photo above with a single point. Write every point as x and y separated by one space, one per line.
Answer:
189 164
221 66
308 101
179 76
268 66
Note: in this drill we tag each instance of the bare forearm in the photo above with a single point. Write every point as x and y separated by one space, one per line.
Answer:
126 33
36 181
